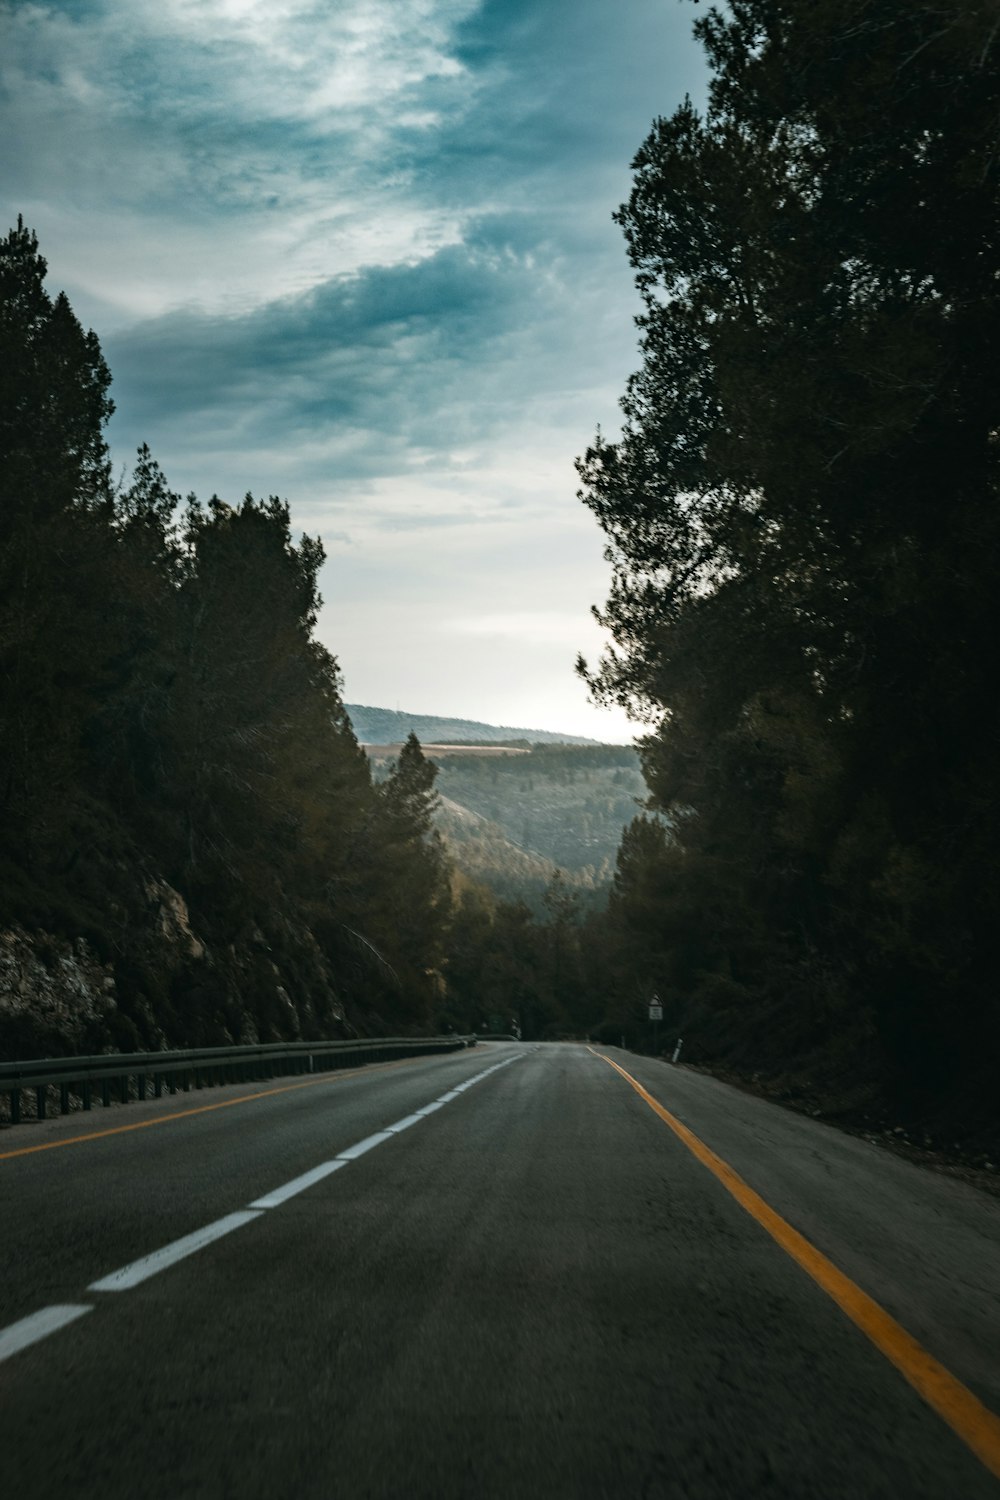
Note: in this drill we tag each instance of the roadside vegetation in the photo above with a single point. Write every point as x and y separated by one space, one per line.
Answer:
801 518
192 846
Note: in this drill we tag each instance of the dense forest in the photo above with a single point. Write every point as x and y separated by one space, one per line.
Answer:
801 516
192 848
554 808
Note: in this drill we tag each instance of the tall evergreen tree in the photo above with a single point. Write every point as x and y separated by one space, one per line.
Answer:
54 514
412 874
801 512
54 400
175 756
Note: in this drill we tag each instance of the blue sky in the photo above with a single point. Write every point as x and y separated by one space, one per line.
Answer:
360 254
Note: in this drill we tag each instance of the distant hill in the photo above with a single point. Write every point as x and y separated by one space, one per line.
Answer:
386 726
514 818
561 805
552 803
482 850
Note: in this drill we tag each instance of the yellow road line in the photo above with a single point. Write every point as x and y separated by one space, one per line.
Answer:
201 1109
964 1413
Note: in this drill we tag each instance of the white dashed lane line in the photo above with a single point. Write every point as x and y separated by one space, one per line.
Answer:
299 1184
362 1147
29 1330
50 1319
150 1265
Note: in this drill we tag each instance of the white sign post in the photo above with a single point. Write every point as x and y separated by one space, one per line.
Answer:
656 1016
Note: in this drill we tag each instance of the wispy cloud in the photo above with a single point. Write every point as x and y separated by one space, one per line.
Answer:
361 255
408 370
221 153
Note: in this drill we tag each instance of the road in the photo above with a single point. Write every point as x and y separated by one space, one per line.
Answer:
540 1287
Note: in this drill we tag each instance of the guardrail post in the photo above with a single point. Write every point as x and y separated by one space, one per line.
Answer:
85 1093
15 1106
157 1085
40 1098
106 1092
64 1098
140 1085
123 1093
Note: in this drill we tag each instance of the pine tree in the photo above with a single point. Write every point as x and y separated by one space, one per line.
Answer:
801 513
54 517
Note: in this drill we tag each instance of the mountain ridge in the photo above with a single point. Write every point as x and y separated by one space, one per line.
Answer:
387 726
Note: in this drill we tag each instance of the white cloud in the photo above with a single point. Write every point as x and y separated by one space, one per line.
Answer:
360 254
225 152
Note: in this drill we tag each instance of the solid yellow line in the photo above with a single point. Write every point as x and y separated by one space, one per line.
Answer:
201 1109
964 1413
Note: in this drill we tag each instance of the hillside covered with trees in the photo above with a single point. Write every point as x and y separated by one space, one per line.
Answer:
192 847
513 816
564 807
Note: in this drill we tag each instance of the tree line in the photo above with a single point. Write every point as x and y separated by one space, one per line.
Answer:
171 730
801 516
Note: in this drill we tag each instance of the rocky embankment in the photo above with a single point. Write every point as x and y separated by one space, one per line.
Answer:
161 981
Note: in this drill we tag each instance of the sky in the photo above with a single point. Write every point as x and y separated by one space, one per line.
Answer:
360 254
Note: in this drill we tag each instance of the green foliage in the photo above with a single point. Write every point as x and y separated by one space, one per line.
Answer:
410 894
483 851
181 784
507 967
53 395
801 516
556 806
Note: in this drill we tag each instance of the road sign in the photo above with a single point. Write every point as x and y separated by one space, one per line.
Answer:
655 1009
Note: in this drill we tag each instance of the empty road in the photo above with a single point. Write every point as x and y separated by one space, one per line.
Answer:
515 1270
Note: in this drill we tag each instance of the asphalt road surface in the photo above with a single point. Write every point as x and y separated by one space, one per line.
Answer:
550 1283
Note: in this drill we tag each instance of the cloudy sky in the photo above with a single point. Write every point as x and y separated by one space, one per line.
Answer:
360 254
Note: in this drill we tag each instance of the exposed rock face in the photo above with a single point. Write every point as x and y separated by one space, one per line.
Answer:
164 979
172 919
55 995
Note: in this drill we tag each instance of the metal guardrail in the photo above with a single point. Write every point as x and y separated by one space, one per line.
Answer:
113 1072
